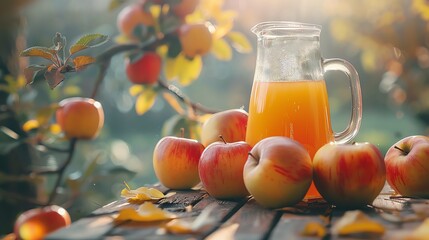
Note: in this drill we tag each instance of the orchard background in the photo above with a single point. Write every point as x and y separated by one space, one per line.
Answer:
385 40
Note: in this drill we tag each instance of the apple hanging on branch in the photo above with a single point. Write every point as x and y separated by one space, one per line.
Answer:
407 166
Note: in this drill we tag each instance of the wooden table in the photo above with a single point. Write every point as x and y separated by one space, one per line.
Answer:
243 219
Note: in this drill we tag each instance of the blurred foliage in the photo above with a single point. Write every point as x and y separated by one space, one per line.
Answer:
391 37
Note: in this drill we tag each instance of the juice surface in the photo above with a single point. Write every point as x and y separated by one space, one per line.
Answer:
295 109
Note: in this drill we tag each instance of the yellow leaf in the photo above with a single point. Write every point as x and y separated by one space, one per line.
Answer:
239 42
71 90
122 39
172 100
21 81
195 17
162 50
147 212
221 49
341 30
356 222
145 101
81 62
188 70
141 194
170 69
422 7
203 118
224 23
30 125
155 10
369 60
136 89
314 229
55 129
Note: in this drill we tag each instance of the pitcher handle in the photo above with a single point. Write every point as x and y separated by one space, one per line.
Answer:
336 64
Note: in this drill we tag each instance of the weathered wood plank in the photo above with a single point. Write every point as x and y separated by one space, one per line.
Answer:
85 228
294 219
291 225
250 222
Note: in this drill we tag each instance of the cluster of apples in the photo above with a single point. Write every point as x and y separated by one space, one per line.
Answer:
278 171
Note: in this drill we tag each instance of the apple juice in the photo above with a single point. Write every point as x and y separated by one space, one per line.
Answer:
295 109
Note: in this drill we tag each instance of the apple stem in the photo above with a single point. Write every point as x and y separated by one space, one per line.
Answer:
251 155
223 139
400 149
182 132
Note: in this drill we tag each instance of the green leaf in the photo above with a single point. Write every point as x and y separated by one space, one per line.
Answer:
88 41
42 52
8 140
31 71
174 47
239 42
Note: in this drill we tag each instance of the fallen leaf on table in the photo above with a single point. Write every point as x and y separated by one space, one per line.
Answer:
182 226
147 212
421 232
141 194
357 222
313 229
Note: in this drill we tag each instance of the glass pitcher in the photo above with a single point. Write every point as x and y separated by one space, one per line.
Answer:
289 96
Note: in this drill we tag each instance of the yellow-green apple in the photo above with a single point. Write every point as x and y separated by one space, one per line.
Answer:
38 222
221 169
175 161
407 166
278 172
349 175
230 124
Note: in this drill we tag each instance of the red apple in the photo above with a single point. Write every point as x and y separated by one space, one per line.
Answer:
144 70
407 166
81 118
38 222
230 124
175 161
278 172
221 169
349 175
